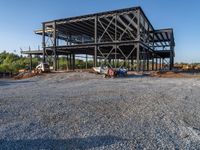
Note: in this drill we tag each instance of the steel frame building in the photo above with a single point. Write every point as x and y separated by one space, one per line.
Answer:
117 38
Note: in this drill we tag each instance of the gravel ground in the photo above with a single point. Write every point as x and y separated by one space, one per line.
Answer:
86 111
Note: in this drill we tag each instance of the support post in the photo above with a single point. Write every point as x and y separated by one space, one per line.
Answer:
153 63
147 60
160 66
138 57
86 62
95 37
70 61
124 62
171 54
54 45
115 63
132 62
31 64
58 64
138 44
171 60
67 65
30 56
118 62
73 61
144 59
154 50
43 41
156 63
109 60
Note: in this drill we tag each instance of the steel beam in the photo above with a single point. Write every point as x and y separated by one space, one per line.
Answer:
105 29
127 28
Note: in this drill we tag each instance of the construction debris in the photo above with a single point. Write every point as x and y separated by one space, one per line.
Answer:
171 74
101 69
110 72
25 74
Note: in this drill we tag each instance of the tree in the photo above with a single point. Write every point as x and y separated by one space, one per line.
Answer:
10 62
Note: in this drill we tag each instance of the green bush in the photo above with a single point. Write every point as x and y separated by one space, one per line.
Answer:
10 62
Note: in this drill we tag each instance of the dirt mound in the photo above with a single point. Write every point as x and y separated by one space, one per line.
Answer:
24 75
171 74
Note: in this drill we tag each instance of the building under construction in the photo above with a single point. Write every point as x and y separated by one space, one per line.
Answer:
117 38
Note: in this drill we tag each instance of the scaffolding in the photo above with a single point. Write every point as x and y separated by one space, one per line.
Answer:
117 38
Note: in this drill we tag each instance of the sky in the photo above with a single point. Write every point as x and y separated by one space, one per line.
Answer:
19 18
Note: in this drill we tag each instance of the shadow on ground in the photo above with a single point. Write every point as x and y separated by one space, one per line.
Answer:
71 144
9 82
135 76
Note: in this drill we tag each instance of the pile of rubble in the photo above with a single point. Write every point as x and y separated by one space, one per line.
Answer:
110 72
172 74
42 67
26 74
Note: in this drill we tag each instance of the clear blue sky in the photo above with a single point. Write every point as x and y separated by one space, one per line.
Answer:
18 19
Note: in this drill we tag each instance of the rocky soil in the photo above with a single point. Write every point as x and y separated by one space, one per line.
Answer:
86 111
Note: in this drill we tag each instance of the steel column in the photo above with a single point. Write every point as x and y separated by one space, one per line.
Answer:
153 63
67 64
147 60
55 45
31 64
95 37
132 63
73 61
58 64
70 61
171 61
115 64
86 62
138 38
43 41
156 63
160 66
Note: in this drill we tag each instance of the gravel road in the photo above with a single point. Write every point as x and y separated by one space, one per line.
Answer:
86 111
